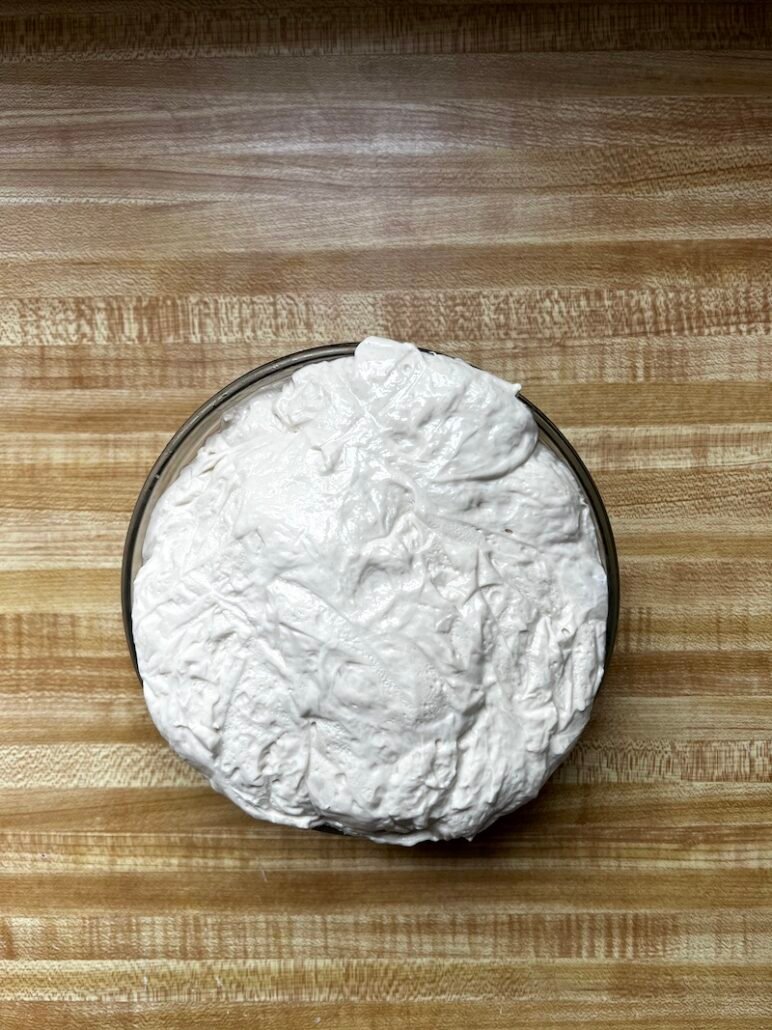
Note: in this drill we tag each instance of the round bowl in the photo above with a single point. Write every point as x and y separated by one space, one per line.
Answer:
208 420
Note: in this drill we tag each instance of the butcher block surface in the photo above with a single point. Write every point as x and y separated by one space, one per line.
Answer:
577 197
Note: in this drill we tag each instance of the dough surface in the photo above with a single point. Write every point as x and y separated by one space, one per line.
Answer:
374 600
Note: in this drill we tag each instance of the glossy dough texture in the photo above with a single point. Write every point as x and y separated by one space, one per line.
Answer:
374 600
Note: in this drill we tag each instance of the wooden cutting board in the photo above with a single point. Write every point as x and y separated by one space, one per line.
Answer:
576 197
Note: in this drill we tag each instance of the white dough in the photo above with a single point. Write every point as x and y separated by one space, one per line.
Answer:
374 600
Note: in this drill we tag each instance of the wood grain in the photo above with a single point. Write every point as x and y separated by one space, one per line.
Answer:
577 197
